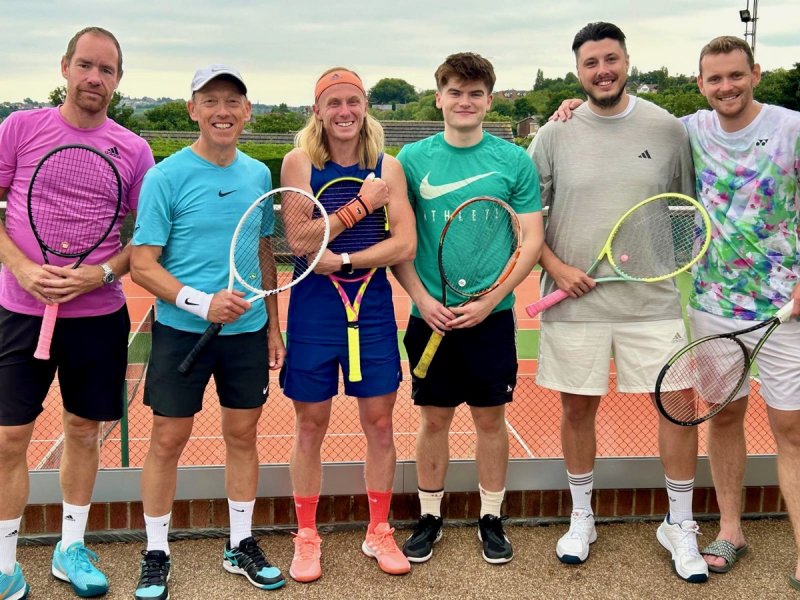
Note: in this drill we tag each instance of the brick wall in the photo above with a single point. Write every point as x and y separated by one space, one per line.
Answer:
339 510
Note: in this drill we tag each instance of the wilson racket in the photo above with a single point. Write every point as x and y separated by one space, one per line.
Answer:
276 244
703 378
478 249
369 231
653 241
74 200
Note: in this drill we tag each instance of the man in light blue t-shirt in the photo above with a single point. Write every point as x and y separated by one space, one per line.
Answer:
189 208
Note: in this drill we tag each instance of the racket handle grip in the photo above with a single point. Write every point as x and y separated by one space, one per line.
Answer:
353 353
208 335
421 370
544 303
46 332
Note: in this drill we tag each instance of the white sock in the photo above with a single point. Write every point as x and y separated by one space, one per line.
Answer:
157 532
491 501
9 533
430 503
680 500
73 524
241 518
580 488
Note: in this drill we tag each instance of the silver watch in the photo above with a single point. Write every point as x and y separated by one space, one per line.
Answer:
108 274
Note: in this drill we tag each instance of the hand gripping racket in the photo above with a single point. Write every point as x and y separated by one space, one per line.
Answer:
653 241
367 232
705 376
276 244
478 249
74 199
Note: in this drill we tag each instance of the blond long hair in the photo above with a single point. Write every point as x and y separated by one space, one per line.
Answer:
313 140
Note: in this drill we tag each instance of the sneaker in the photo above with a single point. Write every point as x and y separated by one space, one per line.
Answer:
76 565
381 546
419 546
573 547
13 587
154 576
681 541
248 559
305 564
496 546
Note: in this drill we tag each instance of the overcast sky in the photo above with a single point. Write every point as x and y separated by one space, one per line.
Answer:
282 46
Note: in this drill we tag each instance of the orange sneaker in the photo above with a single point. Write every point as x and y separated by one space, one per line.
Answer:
381 546
305 564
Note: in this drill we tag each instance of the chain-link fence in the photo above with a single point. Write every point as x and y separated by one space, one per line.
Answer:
626 424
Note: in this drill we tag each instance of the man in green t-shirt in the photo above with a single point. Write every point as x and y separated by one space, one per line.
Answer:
477 361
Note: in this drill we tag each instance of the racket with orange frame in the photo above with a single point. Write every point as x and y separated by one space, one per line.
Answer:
478 248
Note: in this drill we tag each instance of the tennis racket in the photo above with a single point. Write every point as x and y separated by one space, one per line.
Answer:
703 378
478 249
653 241
276 244
369 231
74 199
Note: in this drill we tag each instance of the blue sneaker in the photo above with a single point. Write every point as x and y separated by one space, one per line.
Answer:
154 577
13 587
249 560
75 565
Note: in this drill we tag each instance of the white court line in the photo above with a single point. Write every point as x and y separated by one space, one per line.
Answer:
57 443
518 437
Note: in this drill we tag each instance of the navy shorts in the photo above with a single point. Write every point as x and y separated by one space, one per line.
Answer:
90 354
237 362
311 371
476 365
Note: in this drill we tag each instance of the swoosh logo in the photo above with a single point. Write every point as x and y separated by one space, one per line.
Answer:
188 302
429 191
223 194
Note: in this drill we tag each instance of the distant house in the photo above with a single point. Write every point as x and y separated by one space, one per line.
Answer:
381 106
647 88
510 94
528 126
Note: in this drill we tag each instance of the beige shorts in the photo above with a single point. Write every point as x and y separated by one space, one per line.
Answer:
575 357
778 361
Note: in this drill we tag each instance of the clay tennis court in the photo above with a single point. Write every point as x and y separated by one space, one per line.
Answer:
627 424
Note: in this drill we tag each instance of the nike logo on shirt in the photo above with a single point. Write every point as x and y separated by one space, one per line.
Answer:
190 303
223 194
429 191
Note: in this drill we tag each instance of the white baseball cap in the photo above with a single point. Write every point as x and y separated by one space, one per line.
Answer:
206 74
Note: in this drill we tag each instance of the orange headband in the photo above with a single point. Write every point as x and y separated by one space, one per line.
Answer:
334 77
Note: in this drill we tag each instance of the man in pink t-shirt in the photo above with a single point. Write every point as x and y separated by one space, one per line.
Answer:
89 347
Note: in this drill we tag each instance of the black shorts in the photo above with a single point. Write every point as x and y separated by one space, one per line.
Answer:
237 362
90 354
476 365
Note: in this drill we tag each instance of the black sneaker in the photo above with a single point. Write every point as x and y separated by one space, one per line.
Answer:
248 559
496 547
419 546
154 577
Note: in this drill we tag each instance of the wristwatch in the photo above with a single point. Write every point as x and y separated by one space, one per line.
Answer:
347 266
108 274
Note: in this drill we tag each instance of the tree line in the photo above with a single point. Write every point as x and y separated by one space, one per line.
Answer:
678 94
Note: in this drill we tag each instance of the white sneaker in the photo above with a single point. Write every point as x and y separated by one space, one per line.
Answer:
573 547
681 541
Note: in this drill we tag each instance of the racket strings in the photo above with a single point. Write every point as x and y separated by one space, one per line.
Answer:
73 200
279 230
366 233
476 249
657 239
703 379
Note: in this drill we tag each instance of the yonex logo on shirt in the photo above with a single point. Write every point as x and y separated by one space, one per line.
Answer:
645 154
113 152
762 142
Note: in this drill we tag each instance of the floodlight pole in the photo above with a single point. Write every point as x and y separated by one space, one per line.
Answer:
750 19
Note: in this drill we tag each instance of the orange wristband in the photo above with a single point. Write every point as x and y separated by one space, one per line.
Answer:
352 212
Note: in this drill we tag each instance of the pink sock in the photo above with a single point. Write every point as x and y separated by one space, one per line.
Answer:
379 503
306 509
